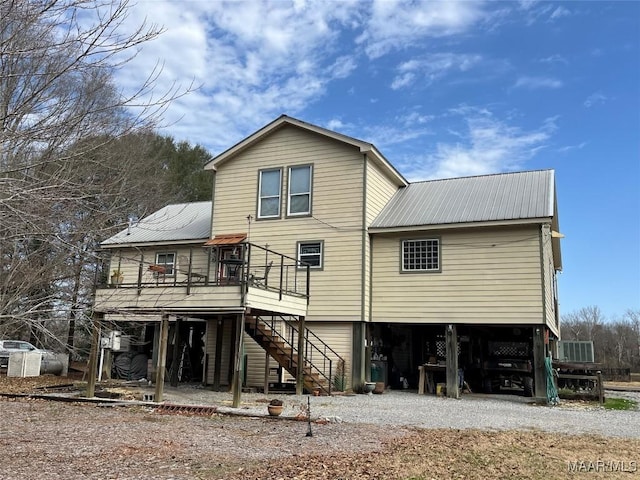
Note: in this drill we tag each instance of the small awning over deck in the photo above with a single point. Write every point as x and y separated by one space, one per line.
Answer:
230 239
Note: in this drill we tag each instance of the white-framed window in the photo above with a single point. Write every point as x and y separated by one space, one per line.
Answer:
421 255
311 253
269 188
168 261
300 180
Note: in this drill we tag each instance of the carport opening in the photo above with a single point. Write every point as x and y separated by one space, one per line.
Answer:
491 359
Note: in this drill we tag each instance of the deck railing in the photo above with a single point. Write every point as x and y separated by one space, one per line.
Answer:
251 266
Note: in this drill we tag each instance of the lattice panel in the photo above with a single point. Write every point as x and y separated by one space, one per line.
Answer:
509 349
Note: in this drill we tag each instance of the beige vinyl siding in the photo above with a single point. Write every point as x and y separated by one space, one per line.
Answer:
336 209
379 191
488 276
255 356
547 267
339 336
210 298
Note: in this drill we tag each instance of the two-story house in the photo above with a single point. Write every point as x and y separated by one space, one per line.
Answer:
313 231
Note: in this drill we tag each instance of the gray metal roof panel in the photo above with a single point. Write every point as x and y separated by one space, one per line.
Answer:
506 196
183 221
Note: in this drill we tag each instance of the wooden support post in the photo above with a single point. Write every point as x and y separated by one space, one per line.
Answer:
237 373
93 355
539 369
175 363
421 375
107 364
453 390
300 360
600 388
217 362
267 359
358 362
162 358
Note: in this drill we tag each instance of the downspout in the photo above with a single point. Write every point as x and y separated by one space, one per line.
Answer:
360 374
539 348
364 239
541 240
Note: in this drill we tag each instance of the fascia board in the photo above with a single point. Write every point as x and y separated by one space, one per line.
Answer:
453 226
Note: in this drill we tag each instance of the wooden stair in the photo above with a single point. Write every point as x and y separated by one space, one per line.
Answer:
285 354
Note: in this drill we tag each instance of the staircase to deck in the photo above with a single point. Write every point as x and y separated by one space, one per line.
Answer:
279 337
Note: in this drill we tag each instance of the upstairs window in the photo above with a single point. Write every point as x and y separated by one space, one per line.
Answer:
299 190
421 255
310 253
270 184
166 261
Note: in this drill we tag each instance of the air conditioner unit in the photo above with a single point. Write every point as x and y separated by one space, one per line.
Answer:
576 351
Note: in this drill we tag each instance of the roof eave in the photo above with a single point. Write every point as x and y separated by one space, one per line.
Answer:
377 157
452 226
161 243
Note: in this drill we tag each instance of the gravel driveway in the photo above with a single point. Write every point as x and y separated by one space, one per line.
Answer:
399 408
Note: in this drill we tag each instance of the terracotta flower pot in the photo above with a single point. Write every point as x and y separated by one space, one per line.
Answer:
275 410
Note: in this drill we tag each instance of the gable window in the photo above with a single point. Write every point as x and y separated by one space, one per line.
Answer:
299 190
270 184
311 253
421 255
168 262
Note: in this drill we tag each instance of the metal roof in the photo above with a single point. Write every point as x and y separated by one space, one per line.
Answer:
231 239
182 221
506 196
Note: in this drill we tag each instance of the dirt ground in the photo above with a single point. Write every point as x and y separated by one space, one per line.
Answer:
44 439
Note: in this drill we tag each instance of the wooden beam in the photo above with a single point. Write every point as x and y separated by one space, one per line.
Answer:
162 358
93 355
600 388
539 370
217 362
267 359
300 369
452 361
175 364
358 362
237 374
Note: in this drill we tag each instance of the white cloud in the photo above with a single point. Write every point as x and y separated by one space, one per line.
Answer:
596 98
534 83
569 148
485 145
432 67
395 24
254 61
560 12
555 58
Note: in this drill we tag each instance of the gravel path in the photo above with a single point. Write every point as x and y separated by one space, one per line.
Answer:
500 412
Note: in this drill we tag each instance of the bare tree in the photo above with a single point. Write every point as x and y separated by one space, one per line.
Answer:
59 192
616 341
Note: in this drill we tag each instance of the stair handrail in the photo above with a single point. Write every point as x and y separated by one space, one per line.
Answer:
308 356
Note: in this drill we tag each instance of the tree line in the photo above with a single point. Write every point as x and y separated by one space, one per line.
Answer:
78 157
616 342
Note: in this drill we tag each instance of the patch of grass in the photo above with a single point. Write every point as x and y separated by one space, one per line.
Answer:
620 404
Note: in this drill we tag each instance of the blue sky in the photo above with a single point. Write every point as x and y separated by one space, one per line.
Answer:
442 89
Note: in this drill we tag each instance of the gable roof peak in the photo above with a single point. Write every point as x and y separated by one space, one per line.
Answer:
282 120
